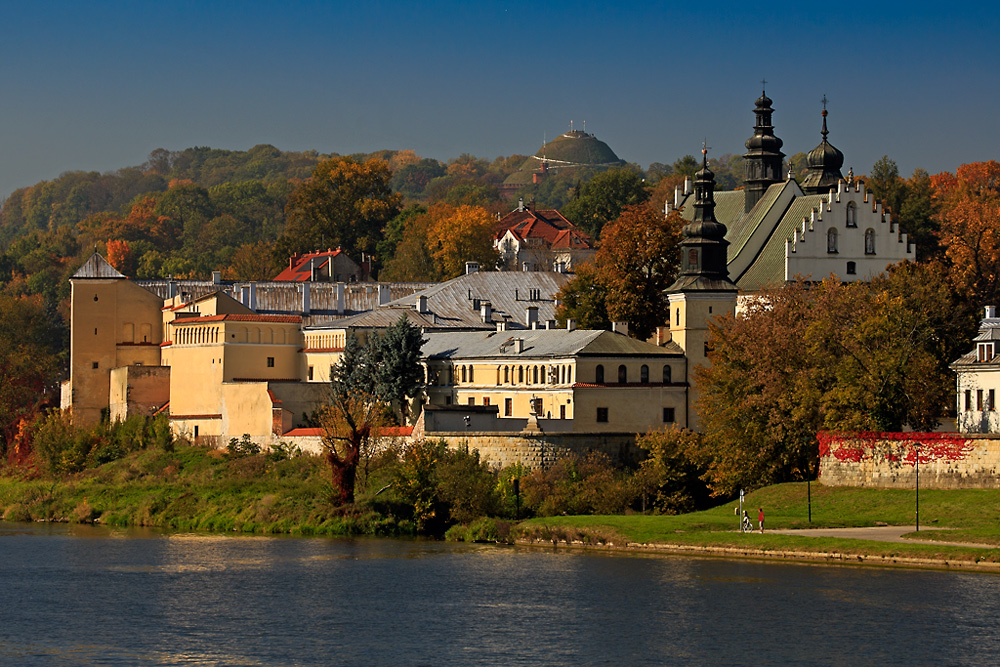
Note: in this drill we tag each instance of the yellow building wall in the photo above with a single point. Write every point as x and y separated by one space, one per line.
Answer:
114 322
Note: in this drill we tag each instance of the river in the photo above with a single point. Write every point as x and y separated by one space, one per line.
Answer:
83 595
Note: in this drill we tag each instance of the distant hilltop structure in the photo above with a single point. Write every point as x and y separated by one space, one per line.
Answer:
573 150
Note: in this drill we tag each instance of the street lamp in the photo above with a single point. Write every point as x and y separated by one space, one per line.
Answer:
917 445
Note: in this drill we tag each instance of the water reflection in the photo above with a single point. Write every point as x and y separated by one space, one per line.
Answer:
85 595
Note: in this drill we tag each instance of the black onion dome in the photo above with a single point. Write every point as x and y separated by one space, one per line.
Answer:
823 166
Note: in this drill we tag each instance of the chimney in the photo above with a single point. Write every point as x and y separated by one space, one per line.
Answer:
341 298
305 298
687 185
384 294
171 289
422 304
487 312
520 204
245 295
531 316
216 277
550 324
253 297
475 303
501 326
991 312
518 345
293 260
678 195
570 325
620 327
471 267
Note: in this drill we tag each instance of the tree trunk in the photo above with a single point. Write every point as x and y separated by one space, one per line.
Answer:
343 472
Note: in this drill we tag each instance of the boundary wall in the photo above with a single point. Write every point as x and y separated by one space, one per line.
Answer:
889 460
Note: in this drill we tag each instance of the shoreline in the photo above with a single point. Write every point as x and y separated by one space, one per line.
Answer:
805 557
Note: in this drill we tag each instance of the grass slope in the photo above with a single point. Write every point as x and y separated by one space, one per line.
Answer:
973 514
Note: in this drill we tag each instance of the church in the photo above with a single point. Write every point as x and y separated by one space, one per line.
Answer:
780 228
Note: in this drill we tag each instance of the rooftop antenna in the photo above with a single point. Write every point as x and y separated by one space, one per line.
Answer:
571 126
585 127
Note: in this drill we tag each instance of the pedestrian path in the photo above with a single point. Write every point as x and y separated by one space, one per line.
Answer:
878 534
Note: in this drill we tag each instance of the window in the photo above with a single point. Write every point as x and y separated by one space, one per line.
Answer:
95 365
447 400
463 373
535 376
470 374
968 400
693 258
869 241
678 317
831 240
508 407
852 214
668 415
506 373
486 400
851 268
990 396
984 351
472 400
310 373
599 374
622 374
666 375
536 406
562 412
196 431
520 374
602 415
270 362
979 400
644 374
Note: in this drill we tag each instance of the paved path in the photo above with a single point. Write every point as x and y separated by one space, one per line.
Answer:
878 534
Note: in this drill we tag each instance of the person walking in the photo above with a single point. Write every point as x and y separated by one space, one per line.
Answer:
760 518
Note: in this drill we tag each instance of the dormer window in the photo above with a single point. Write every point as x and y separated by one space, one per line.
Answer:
984 352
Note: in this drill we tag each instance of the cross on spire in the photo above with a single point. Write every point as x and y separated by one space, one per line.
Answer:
824 101
763 85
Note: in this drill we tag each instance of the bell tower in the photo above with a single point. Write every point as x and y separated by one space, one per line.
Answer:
703 289
762 161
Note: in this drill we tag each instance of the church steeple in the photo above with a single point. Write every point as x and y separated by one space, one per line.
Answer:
703 247
762 161
825 161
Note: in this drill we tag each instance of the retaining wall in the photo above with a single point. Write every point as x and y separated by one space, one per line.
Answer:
541 450
889 460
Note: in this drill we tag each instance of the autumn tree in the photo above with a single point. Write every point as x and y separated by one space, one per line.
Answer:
603 198
120 256
458 235
800 359
252 261
366 381
344 204
969 218
636 261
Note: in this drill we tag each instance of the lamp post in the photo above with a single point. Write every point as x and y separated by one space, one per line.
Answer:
917 445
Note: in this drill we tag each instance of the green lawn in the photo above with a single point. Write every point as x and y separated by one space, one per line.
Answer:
973 514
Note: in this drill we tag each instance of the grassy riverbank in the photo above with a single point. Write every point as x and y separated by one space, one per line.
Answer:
193 488
971 516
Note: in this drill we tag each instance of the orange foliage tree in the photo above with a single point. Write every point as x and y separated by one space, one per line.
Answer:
969 220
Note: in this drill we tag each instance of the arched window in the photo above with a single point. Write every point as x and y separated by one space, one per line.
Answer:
831 240
644 374
535 376
520 374
599 374
622 374
470 374
852 214
506 373
666 375
463 373
869 241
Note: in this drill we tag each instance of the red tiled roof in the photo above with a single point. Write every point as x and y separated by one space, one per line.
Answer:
547 215
315 432
234 317
302 270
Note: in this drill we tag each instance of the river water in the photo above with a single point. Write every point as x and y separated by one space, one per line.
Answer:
81 595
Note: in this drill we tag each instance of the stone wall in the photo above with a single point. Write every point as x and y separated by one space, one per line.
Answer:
543 449
889 460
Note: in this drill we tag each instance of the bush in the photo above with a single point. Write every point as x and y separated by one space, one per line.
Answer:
238 449
669 477
575 484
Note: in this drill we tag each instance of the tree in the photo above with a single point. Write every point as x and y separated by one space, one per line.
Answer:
869 357
584 299
884 182
603 199
252 262
458 234
365 382
345 203
637 261
969 218
668 474
917 217
29 366
686 166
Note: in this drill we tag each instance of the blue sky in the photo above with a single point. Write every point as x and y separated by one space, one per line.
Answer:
97 86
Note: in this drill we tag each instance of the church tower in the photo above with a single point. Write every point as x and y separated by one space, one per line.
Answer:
703 290
825 161
762 161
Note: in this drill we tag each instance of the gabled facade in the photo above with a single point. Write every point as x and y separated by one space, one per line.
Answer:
778 229
978 380
332 266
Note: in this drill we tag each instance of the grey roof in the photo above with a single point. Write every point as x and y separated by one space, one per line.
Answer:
728 206
540 344
769 266
743 228
989 329
96 267
450 304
